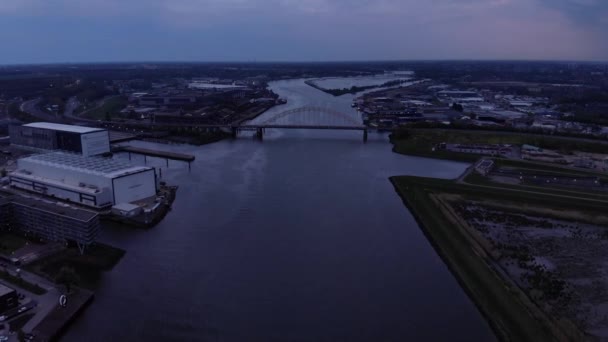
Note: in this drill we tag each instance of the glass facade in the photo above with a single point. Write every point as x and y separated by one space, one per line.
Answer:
69 141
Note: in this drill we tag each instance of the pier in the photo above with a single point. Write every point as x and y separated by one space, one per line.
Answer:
57 321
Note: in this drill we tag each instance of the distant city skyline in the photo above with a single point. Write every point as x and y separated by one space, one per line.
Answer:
72 31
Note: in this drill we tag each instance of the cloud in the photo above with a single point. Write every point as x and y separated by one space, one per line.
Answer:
314 29
584 12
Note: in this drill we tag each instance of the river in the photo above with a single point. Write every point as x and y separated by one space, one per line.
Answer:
300 237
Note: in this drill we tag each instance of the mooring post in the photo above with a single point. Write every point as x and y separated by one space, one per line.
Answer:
234 131
365 135
260 133
167 162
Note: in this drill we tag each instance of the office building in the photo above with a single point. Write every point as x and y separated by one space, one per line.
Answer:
49 221
88 141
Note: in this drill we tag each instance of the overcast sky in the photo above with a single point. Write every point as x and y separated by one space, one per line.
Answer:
33 31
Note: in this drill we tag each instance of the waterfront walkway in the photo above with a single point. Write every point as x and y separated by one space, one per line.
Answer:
51 327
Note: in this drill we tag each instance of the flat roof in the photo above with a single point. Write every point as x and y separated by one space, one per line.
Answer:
4 290
55 208
63 128
93 165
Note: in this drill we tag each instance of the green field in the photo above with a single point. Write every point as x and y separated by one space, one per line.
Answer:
420 142
547 169
89 267
112 107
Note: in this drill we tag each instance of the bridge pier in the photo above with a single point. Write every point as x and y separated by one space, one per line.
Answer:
259 133
365 135
235 132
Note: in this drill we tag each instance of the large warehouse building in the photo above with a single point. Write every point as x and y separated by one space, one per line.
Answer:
93 181
87 141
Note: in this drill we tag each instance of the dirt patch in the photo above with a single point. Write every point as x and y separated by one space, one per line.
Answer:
560 261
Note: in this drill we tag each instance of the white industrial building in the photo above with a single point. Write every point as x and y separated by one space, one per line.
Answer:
92 181
88 141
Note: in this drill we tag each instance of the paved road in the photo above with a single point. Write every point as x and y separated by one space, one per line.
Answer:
31 107
70 107
44 303
575 198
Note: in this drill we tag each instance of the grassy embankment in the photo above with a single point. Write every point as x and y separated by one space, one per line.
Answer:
421 142
89 267
510 312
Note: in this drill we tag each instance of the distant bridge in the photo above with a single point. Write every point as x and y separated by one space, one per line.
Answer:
317 118
305 118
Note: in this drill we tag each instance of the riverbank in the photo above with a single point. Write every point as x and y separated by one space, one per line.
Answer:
88 267
340 92
354 89
518 251
499 302
59 319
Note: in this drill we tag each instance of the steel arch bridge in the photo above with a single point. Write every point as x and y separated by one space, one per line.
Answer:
312 116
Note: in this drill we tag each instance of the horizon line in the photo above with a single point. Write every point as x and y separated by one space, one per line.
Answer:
590 61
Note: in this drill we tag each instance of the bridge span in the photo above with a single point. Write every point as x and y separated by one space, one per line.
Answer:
259 129
299 118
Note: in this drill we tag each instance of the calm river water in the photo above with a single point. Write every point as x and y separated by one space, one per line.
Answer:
297 238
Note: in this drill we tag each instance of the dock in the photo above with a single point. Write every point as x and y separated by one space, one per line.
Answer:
155 153
53 325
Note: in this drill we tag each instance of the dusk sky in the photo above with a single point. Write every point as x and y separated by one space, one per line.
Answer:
33 31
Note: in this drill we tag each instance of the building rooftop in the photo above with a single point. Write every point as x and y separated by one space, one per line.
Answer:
63 128
4 290
93 165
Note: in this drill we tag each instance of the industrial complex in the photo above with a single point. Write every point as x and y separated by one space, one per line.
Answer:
68 180
70 167
93 181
